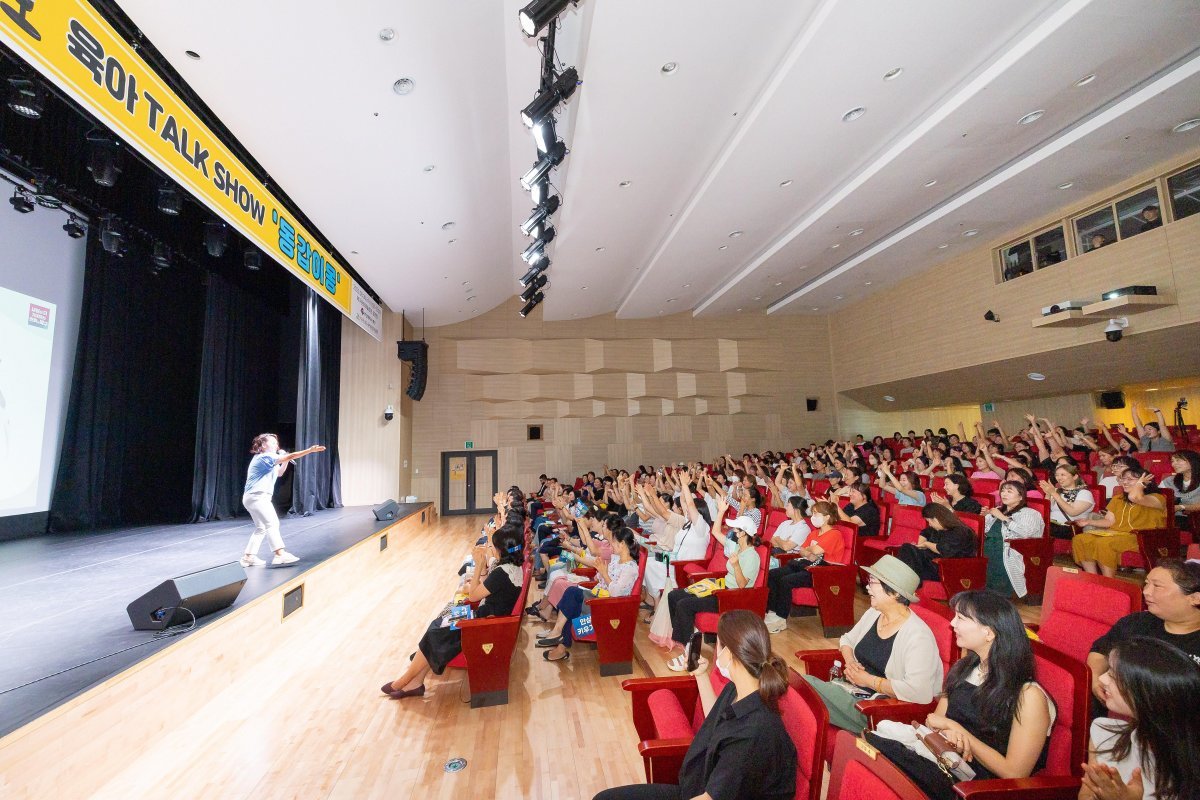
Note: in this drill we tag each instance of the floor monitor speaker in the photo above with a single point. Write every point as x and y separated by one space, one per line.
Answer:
187 597
387 510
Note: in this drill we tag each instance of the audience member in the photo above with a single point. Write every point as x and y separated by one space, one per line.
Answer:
1141 506
945 536
823 543
1012 519
1069 498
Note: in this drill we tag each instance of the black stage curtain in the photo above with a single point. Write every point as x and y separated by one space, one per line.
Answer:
317 483
130 428
237 398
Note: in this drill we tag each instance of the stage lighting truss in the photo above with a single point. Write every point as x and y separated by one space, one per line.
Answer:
26 98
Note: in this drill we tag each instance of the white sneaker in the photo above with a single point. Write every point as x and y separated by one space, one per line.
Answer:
771 617
284 558
779 626
251 561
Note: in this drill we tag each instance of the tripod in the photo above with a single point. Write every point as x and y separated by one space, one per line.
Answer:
1179 407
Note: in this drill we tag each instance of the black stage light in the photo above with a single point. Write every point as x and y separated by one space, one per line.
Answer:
73 228
253 259
161 257
26 98
538 245
543 165
544 104
104 158
535 286
544 136
21 202
532 304
112 236
170 201
539 14
216 238
536 269
541 214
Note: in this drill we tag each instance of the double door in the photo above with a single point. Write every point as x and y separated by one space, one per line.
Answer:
469 481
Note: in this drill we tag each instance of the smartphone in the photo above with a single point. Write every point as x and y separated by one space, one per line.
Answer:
580 508
694 651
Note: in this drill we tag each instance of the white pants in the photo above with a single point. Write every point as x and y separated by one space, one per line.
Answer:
266 522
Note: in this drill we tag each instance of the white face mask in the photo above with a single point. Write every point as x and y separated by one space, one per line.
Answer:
724 670
818 520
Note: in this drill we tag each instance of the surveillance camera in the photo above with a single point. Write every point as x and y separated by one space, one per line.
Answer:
1116 329
389 413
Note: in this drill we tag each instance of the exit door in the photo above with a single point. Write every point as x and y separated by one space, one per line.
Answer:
469 481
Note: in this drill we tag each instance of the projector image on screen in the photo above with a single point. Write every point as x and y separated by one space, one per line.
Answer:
26 344
1065 305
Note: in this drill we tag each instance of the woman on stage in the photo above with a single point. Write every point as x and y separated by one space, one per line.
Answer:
269 463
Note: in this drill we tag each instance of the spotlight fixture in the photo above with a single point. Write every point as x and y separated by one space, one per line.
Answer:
1186 125
26 98
535 286
252 259
538 245
541 168
170 201
104 158
112 236
544 136
540 191
532 304
161 257
538 15
1031 117
541 214
216 238
20 201
73 228
535 269
544 104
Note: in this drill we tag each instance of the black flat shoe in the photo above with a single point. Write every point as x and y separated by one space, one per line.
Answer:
546 656
400 694
553 641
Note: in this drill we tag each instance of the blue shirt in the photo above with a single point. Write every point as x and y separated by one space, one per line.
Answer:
260 477
903 499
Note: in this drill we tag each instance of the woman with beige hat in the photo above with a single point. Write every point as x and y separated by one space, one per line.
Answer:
889 652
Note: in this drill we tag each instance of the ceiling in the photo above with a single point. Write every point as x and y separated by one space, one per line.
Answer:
757 99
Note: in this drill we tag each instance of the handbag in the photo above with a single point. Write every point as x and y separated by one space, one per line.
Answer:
705 587
949 760
660 625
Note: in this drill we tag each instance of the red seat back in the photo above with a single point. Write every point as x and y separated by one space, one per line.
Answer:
775 518
985 500
1042 506
1068 682
806 719
938 617
1079 608
860 772
985 485
907 524
976 523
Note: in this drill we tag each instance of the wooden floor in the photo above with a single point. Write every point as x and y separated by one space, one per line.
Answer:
309 721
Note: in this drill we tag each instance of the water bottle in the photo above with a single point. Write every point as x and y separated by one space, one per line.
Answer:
835 672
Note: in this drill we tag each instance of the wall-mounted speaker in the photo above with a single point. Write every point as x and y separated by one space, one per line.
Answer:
415 353
811 403
1112 400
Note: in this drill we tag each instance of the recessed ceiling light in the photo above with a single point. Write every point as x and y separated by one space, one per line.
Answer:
816 308
452 241
429 168
867 283
1032 116
779 283
447 226
942 246
786 184
599 249
1036 376
758 298
471 299
739 309
192 54
583 288
387 34
1186 125
970 232
1085 80
669 67
671 299
404 86
856 232
930 183
893 73
660 311
853 114
834 246
687 286
803 266
735 234
723 247
624 184
837 297
353 252
889 398
1066 185
466 283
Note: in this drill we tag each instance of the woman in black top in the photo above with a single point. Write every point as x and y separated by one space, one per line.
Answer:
743 751
993 712
861 509
958 495
496 587
945 536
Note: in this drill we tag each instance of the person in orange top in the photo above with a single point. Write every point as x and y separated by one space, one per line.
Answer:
824 544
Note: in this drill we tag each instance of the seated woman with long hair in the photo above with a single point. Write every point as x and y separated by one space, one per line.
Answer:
992 711
1012 519
906 489
742 750
495 586
1148 748
1070 499
616 577
1186 485
957 495
945 536
1139 506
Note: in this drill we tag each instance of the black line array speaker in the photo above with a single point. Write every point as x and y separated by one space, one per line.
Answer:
1112 400
415 353
387 510
200 593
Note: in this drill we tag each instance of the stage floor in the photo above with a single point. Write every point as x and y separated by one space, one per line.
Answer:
64 628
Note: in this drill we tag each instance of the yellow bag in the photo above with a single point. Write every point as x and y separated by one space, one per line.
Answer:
598 591
705 587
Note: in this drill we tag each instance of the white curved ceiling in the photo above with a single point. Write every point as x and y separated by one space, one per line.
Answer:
757 99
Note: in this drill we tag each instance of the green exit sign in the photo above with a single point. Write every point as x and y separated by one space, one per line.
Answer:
989 408
468 445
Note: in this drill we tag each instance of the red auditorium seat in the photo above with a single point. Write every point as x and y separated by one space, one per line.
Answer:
1155 544
1080 608
775 518
1038 553
860 772
752 599
832 592
958 574
614 620
487 648
906 525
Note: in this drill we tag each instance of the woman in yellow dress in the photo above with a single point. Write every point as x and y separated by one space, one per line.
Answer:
1141 506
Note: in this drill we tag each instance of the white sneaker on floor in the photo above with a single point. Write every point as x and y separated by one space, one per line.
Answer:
284 558
251 561
779 626
771 617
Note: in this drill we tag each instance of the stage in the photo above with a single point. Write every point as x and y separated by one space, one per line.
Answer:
64 596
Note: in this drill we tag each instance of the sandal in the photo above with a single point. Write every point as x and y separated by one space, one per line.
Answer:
546 656
678 663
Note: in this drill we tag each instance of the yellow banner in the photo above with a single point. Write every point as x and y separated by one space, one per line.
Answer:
73 46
